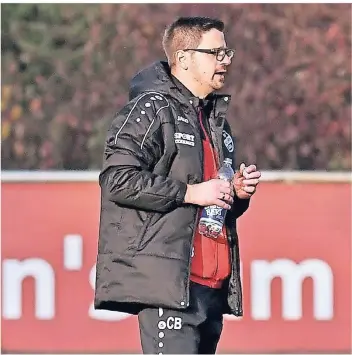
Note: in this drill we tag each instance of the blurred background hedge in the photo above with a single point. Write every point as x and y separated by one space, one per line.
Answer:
66 70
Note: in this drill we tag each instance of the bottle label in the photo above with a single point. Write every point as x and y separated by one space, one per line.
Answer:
211 221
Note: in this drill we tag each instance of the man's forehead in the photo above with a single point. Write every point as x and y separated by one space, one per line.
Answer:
212 39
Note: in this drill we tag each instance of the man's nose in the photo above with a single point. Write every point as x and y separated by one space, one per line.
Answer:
227 60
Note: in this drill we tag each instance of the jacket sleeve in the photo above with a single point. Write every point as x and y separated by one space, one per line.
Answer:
133 147
239 206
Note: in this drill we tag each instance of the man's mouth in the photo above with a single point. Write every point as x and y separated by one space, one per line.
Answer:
220 75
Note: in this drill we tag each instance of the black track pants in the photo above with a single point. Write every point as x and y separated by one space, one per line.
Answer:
195 330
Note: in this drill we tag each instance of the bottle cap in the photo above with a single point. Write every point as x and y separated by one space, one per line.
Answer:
228 161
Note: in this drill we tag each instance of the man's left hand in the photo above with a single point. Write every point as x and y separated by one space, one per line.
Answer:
245 181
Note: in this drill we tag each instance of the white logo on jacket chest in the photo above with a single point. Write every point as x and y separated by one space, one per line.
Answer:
182 119
184 138
228 142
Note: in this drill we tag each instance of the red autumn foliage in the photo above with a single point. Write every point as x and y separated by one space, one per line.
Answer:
66 69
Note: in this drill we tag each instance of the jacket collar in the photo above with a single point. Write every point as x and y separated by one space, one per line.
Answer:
206 103
158 77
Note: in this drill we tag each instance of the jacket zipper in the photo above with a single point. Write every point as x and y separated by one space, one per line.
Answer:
232 275
194 225
217 262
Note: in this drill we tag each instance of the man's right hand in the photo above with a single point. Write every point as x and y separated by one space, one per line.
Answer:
213 192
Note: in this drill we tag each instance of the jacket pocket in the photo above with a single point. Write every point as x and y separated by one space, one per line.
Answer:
148 231
143 237
135 242
142 232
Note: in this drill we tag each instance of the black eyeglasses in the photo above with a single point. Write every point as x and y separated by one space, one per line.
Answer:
219 53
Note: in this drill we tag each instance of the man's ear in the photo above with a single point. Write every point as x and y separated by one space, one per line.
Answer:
181 59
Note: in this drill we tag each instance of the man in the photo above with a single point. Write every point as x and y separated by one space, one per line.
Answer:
161 156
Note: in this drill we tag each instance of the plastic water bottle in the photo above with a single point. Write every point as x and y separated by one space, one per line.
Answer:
212 218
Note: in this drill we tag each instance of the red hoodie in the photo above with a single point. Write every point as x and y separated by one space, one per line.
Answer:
210 257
